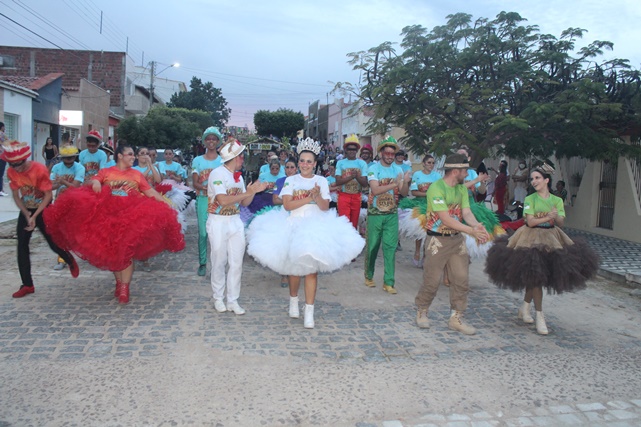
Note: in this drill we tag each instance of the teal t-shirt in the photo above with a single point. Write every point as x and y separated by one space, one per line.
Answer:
386 203
92 162
421 181
174 167
441 197
203 167
270 180
75 173
345 167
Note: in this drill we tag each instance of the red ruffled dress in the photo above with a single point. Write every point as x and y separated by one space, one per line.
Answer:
111 228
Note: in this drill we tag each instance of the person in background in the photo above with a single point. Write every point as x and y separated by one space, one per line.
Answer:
32 192
3 164
109 152
421 181
153 154
399 159
520 178
474 182
91 158
66 174
202 166
265 167
500 188
170 169
366 154
272 175
290 170
351 177
561 192
146 167
49 153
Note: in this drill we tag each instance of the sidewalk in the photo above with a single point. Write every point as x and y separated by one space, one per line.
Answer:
620 259
8 208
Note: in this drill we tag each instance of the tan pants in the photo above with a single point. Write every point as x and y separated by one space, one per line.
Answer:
445 253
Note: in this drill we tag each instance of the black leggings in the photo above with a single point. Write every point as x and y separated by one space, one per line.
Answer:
24 236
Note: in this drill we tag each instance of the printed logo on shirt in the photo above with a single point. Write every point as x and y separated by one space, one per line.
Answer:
526 207
438 201
218 183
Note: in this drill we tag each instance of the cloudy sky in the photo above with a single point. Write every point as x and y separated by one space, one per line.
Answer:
267 54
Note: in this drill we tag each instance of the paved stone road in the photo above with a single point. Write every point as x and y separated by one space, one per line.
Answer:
71 355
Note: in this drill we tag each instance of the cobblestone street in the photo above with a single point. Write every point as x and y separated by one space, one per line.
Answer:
71 355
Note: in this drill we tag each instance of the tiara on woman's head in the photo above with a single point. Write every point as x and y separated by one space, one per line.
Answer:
308 144
545 168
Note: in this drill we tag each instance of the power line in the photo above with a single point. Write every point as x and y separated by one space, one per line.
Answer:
52 25
33 32
256 78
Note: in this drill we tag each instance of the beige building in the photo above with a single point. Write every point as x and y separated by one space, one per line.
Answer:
607 199
90 103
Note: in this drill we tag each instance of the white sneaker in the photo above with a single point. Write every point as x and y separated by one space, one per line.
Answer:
309 317
294 312
3 194
237 309
220 306
59 266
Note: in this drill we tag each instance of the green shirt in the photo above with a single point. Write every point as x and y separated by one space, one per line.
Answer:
442 197
538 206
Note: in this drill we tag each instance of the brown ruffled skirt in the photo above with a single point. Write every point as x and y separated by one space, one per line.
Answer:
539 257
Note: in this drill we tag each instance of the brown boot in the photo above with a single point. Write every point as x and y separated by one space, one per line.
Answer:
421 319
456 324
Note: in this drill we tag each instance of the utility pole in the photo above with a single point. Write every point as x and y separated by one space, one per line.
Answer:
151 84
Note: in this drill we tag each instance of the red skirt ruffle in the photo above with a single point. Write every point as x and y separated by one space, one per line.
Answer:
110 231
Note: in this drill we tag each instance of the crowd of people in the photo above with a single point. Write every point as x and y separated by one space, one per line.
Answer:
286 221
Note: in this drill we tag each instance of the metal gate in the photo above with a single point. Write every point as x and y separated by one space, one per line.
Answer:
607 190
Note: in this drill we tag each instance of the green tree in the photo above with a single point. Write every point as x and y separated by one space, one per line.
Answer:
165 127
280 123
500 86
204 97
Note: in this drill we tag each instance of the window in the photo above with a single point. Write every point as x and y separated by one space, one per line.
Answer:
11 122
7 61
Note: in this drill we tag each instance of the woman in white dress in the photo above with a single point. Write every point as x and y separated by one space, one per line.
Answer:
306 237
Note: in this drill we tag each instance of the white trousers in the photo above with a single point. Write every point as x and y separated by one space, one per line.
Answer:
227 241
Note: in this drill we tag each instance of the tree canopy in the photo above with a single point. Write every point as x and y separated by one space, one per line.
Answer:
281 123
165 127
204 97
499 85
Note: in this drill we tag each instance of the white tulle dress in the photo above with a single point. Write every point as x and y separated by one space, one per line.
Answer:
306 240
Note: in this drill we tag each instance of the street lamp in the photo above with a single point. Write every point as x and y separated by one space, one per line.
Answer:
151 82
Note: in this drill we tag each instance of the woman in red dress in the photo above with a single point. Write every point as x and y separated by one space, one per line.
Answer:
117 219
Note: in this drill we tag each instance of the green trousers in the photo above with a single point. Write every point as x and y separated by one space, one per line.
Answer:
381 228
201 211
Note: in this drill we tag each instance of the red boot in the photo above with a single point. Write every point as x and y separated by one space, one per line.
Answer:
118 286
24 290
123 294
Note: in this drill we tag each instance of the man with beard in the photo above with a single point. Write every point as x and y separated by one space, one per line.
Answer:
386 182
448 205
